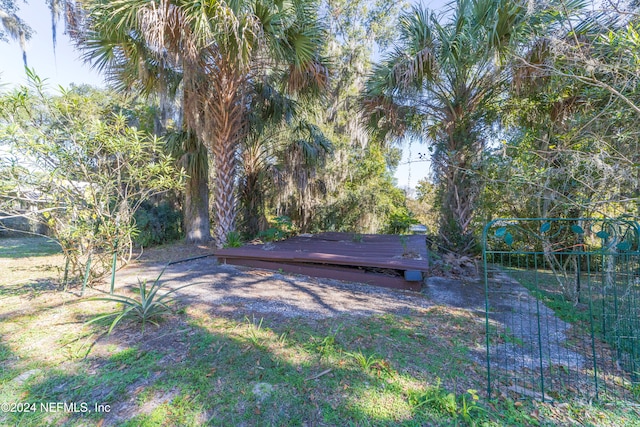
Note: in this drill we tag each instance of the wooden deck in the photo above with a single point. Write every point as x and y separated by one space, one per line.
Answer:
375 259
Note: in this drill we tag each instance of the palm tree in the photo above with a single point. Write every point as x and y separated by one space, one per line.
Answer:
220 51
280 165
444 81
280 158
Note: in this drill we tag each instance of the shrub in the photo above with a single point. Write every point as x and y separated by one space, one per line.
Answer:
157 223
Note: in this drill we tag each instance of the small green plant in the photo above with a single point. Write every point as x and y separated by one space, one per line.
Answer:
469 405
357 237
403 242
281 229
149 307
438 400
635 388
371 363
254 331
234 240
327 344
282 339
361 360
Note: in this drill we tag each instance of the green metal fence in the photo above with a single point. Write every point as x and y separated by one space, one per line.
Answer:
562 307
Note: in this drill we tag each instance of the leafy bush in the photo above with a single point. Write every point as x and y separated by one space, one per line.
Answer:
400 221
157 223
281 229
87 170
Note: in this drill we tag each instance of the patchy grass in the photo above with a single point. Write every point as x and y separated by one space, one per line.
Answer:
28 265
27 247
200 368
543 285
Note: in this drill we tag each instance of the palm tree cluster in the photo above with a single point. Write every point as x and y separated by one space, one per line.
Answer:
214 56
239 81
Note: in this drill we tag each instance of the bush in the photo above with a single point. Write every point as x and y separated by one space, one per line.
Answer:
282 228
87 170
158 223
400 221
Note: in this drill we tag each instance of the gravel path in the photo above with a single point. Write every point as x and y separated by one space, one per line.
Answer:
244 291
532 342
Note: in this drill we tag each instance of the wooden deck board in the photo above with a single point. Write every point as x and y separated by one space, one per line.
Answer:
343 256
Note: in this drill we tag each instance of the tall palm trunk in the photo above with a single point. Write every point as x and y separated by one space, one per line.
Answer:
194 159
458 195
460 186
216 110
226 107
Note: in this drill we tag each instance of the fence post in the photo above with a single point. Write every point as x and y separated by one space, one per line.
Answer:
114 265
486 305
86 276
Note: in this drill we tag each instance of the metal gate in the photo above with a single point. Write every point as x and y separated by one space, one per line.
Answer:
562 300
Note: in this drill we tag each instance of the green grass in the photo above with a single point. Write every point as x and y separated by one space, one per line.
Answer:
28 247
543 285
349 374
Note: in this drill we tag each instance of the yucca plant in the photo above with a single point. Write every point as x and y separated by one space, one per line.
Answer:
150 307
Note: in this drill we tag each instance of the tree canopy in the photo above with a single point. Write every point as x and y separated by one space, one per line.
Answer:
526 108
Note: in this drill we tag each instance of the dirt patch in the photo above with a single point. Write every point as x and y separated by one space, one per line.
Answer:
240 291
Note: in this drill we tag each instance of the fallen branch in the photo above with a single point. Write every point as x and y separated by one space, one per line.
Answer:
315 377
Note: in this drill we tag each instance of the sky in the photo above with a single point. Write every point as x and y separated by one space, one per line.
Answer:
61 69
66 67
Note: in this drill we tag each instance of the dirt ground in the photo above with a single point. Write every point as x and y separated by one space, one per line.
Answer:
244 291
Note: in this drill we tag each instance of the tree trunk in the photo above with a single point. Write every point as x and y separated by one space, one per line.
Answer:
457 204
215 109
196 209
252 192
224 194
226 111
459 186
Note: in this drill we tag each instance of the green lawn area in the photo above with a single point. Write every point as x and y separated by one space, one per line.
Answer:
26 247
202 368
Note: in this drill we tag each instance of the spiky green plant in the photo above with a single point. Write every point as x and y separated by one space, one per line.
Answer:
151 306
371 363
